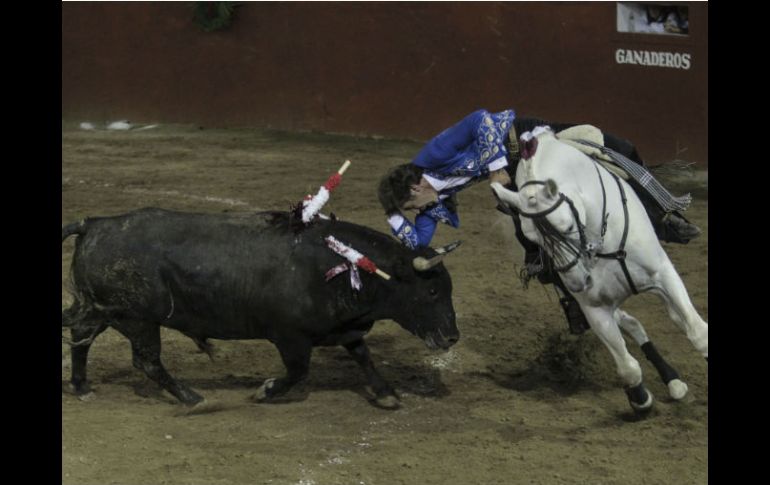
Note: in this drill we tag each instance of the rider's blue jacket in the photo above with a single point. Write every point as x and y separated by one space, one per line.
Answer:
453 160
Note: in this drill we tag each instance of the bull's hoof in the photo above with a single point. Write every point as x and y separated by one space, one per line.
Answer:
201 407
79 390
387 402
208 349
677 389
263 393
89 396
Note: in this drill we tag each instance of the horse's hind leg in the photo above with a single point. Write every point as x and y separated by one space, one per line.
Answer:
681 309
145 346
677 389
606 328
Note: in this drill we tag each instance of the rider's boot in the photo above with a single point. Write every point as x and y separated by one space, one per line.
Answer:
670 227
673 227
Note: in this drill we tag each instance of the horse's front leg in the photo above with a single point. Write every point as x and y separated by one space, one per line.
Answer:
606 328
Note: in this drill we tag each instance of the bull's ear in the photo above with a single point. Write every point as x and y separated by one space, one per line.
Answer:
508 197
403 270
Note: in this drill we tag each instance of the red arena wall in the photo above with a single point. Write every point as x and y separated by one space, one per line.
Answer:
393 69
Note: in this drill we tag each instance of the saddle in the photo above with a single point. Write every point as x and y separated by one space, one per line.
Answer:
575 136
589 140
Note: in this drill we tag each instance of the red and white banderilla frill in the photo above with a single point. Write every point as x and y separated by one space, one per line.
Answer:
354 257
312 205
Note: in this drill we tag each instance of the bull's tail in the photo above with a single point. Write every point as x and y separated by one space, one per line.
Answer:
78 228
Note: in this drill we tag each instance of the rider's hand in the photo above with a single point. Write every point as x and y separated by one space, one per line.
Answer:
500 176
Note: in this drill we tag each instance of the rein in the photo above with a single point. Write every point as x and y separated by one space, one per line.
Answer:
555 238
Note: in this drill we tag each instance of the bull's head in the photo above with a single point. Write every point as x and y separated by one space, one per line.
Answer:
422 301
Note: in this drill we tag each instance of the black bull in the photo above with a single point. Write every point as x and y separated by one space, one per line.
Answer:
245 276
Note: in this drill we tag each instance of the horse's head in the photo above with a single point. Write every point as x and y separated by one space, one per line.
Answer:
553 221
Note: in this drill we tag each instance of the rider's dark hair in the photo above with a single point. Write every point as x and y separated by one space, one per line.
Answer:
394 189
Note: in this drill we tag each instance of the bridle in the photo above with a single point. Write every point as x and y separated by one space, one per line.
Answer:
559 243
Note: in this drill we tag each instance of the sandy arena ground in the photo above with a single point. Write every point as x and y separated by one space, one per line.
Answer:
517 401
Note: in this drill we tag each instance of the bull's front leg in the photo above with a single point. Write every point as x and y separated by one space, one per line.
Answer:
385 396
295 353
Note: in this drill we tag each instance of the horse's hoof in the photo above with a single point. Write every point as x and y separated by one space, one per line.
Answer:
677 389
262 393
387 402
640 398
646 407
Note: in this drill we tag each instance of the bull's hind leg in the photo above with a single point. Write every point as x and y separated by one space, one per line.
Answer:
677 389
145 346
83 334
385 395
606 328
681 309
84 328
295 353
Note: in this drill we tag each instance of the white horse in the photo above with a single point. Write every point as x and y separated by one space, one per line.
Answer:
605 250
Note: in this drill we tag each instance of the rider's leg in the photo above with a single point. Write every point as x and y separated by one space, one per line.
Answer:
669 226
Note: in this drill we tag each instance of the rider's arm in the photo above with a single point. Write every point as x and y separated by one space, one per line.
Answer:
412 235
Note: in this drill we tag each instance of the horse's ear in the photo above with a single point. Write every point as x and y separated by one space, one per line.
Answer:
551 190
508 197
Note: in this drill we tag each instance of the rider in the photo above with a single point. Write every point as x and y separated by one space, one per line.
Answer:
485 145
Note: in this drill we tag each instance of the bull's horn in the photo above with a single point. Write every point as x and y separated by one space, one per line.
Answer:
422 264
449 247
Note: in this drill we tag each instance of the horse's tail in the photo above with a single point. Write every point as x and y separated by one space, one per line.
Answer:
674 168
78 228
73 315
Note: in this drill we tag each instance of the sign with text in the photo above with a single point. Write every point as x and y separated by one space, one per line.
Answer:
676 60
